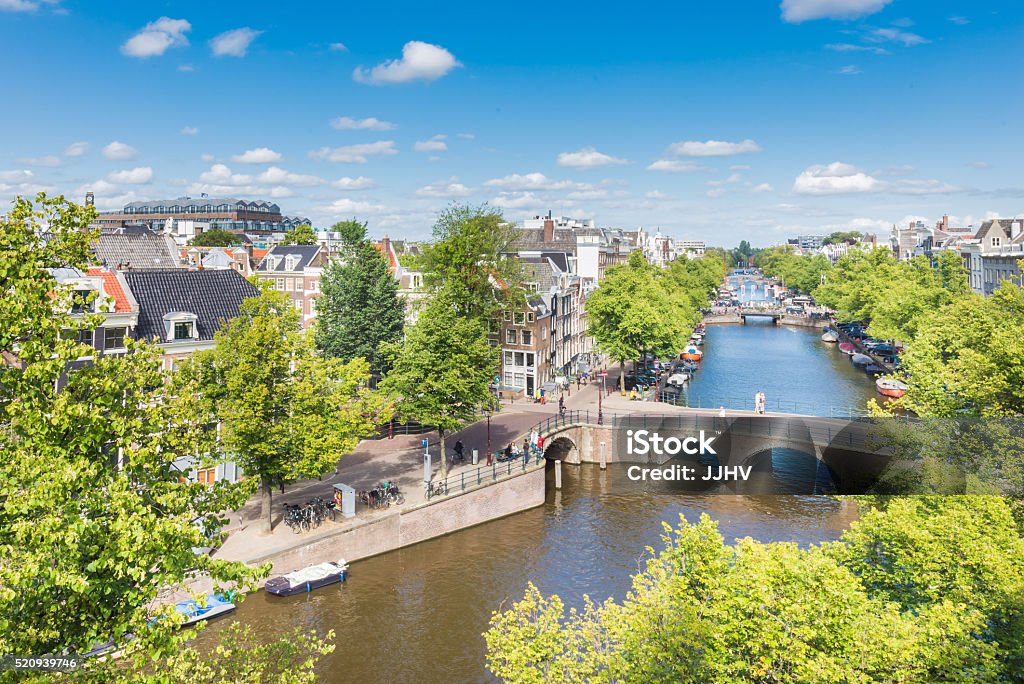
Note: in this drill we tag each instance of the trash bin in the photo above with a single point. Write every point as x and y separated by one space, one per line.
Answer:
348 500
476 456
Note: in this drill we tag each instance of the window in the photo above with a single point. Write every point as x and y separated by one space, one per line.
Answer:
82 303
519 318
492 326
520 359
299 305
511 337
519 380
79 336
530 360
508 316
996 241
114 338
508 378
183 331
280 284
543 333
530 317
508 358
289 284
206 475
527 337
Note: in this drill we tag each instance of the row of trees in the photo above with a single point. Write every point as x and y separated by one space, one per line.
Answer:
924 589
639 308
801 273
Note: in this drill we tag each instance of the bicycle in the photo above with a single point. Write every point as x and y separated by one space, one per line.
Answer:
435 489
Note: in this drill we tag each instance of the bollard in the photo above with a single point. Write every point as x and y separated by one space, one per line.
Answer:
604 459
558 474
476 456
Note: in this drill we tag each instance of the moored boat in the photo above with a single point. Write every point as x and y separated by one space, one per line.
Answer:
691 353
306 580
847 348
216 604
890 387
873 369
861 359
830 337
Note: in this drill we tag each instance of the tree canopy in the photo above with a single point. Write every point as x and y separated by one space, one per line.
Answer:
302 234
841 236
359 308
287 412
926 590
216 237
473 258
441 374
801 273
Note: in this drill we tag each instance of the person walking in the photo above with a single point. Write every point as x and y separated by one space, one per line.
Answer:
759 403
458 451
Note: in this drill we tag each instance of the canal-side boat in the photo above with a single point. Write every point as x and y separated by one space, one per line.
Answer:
216 604
890 387
873 369
830 337
306 580
847 348
861 359
691 353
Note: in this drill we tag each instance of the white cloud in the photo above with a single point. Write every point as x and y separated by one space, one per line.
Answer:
354 154
534 181
656 195
465 136
49 160
673 166
832 179
419 62
712 148
435 144
337 47
762 187
347 208
850 47
715 192
588 158
734 178
206 157
905 38
449 188
76 149
190 130
157 37
277 176
220 174
233 43
849 70
796 11
141 174
16 176
346 183
259 155
593 194
516 200
368 124
120 151
25 5
280 191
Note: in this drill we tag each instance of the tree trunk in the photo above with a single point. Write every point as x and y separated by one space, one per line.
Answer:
444 458
622 375
266 515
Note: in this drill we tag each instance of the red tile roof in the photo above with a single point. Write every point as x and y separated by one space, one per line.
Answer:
112 287
258 253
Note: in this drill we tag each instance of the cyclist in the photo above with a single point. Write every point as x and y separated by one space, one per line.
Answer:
561 406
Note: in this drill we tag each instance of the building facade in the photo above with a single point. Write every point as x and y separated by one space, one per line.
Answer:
199 213
992 255
296 270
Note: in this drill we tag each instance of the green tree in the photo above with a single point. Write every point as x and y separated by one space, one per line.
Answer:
472 257
352 231
900 598
442 372
842 236
96 522
359 308
287 413
216 237
302 234
631 313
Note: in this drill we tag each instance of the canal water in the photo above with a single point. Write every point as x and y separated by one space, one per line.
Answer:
417 614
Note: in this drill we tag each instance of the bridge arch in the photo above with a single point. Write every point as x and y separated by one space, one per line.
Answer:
562 448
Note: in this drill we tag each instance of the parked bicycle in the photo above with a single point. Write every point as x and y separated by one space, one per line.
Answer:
435 488
382 496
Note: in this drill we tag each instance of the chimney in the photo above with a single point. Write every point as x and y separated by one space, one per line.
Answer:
385 246
1015 230
549 229
90 199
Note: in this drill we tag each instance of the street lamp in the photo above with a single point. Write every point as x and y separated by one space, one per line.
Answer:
488 412
600 396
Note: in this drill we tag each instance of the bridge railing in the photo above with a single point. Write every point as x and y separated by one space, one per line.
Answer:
459 482
775 405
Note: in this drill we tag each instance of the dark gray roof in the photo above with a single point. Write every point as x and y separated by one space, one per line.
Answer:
202 204
306 254
213 296
140 251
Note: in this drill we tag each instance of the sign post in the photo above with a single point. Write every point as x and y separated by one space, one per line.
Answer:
426 461
600 412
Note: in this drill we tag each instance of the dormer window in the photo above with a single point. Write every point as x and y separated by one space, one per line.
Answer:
180 326
81 303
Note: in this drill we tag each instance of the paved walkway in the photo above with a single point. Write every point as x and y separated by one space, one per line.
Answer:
400 460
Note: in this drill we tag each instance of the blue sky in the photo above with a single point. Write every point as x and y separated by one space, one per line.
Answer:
719 121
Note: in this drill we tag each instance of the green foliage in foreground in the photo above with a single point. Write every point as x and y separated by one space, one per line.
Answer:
97 525
927 590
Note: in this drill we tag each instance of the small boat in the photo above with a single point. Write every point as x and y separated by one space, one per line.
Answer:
691 353
307 579
873 369
890 387
847 348
829 337
861 359
216 604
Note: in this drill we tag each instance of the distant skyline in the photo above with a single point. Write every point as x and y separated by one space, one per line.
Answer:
722 121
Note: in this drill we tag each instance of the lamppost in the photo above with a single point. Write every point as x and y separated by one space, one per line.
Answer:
600 396
488 436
